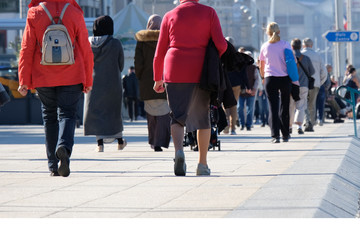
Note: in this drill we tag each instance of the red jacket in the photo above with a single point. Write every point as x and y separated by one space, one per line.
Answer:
184 35
31 72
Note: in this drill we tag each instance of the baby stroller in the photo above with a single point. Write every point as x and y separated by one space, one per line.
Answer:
190 138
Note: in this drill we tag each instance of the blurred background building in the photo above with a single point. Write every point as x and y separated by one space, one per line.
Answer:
244 20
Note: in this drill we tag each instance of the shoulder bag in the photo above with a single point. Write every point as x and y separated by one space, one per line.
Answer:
311 79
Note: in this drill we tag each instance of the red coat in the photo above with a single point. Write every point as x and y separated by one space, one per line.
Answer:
184 35
31 72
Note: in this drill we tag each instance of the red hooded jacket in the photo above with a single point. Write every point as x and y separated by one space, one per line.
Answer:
31 72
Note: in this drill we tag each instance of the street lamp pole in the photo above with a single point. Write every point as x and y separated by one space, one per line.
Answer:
339 62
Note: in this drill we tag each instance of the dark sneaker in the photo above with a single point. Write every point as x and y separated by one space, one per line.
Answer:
286 139
180 166
54 174
300 131
338 120
290 130
157 149
309 129
63 155
275 140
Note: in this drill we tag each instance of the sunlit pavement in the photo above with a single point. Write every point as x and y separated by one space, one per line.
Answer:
313 175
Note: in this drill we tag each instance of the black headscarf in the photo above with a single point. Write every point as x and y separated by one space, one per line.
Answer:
103 25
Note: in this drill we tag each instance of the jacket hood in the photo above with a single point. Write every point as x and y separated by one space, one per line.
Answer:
34 3
99 46
147 35
97 41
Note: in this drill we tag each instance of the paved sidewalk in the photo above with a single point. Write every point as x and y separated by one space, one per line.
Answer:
251 177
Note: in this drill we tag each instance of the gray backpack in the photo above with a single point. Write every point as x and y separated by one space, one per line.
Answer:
57 48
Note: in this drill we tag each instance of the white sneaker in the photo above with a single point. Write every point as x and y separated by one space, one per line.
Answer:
202 170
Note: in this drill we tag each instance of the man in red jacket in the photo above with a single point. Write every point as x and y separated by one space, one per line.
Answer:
59 86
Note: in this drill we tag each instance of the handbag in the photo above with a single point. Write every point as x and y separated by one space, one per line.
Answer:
4 96
311 79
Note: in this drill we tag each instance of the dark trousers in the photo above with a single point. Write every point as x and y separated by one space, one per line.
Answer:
59 106
133 107
320 103
159 130
279 107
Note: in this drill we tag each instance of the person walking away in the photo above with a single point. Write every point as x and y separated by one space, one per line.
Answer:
184 35
320 101
59 86
319 76
155 104
231 113
297 109
131 93
247 95
102 109
277 81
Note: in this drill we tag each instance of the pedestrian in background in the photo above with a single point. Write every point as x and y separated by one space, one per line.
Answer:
102 108
319 76
59 87
131 94
277 81
231 113
297 109
155 104
184 36
247 95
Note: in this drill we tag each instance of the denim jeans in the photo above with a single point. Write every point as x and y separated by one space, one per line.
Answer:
249 101
263 108
320 104
59 107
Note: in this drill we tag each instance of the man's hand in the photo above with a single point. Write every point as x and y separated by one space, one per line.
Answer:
23 90
159 86
87 89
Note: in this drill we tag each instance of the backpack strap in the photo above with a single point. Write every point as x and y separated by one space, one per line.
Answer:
63 12
47 12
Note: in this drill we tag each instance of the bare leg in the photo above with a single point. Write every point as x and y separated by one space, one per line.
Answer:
177 133
203 138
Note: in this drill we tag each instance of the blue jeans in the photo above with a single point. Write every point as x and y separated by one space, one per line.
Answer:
263 108
59 107
320 103
249 101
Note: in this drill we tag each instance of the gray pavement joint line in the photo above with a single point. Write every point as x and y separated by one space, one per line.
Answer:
38 194
103 197
174 198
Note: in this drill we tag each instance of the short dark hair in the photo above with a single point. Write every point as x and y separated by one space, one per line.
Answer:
296 44
132 68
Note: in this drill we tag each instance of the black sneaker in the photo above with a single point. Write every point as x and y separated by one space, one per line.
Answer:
54 174
275 140
63 155
286 139
309 129
180 165
300 131
157 149
290 130
338 120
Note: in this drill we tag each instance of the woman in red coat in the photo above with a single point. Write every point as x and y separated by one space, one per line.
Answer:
59 87
184 35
